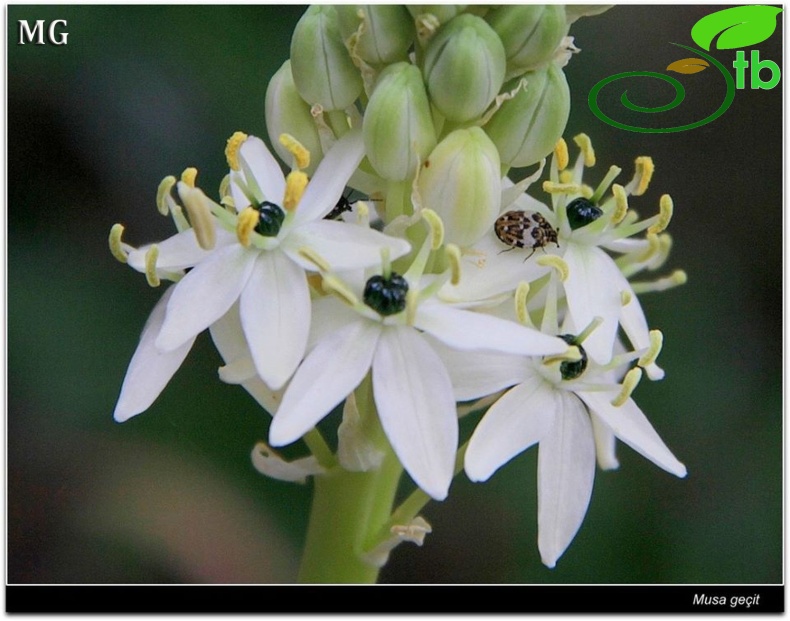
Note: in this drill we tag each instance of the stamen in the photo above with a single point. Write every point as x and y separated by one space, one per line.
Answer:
642 176
363 213
677 278
332 284
232 149
188 176
314 258
386 266
653 247
162 193
585 144
625 297
605 183
295 148
436 225
656 343
199 213
596 321
295 184
572 354
561 154
522 314
566 176
630 382
557 263
150 266
116 245
453 254
666 207
412 298
561 188
621 203
245 225
225 197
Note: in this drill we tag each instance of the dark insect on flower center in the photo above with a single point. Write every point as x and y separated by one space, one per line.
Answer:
386 296
572 370
581 212
271 220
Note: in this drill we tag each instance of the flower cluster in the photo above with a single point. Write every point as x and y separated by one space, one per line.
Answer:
449 285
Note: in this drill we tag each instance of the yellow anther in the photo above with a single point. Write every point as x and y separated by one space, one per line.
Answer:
116 246
551 260
585 144
224 187
522 314
653 247
295 184
656 343
677 278
335 286
625 297
586 191
162 192
630 382
297 149
572 354
436 225
566 176
666 243
412 297
245 225
453 254
561 188
644 173
188 176
363 213
150 266
561 154
232 149
666 207
314 258
196 204
620 203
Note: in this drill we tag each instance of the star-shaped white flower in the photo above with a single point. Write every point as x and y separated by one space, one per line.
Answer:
388 336
231 260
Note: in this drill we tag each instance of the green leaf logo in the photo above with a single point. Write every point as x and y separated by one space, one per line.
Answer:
738 26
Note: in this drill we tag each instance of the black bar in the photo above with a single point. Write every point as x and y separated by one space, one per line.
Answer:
395 599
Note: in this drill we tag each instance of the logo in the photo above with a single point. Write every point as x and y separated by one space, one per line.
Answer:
35 35
740 26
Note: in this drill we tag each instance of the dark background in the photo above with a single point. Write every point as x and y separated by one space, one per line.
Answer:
140 92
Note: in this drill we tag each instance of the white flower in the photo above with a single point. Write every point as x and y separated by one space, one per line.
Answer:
387 335
254 256
571 409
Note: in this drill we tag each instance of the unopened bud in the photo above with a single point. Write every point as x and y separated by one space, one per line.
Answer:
288 113
321 65
386 35
464 68
530 34
397 127
526 127
461 181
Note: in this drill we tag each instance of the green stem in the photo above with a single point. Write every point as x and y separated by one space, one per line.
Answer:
349 510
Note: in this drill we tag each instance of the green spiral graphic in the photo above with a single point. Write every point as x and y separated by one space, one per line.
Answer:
680 95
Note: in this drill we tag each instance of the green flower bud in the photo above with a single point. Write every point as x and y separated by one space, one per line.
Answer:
461 181
387 34
530 34
442 12
288 113
321 65
464 68
397 127
526 128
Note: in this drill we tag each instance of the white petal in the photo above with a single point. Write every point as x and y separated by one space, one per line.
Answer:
632 427
268 462
177 252
205 294
329 315
566 469
344 246
414 398
266 170
467 330
634 323
478 374
331 177
275 316
149 370
593 289
329 373
229 339
605 444
522 417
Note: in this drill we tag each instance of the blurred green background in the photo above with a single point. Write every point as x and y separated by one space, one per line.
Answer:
140 92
